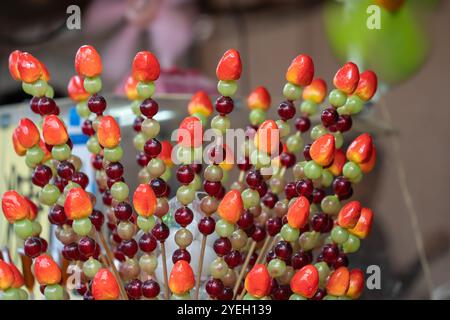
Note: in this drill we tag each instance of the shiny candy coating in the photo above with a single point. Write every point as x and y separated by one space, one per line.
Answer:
104 286
257 281
77 204
6 276
130 88
316 91
298 212
29 68
15 207
360 150
300 71
145 67
259 98
347 78
322 150
231 207
367 85
267 138
229 66
27 133
76 90
46 270
190 133
144 200
349 214
305 281
364 224
338 282
54 131
108 132
88 62
182 278
200 104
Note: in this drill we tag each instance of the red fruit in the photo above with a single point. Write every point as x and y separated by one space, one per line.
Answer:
338 163
257 282
368 166
166 153
267 138
6 275
15 207
231 207
349 214
13 63
360 150
305 281
130 88
338 282
190 133
29 67
104 286
54 131
88 62
200 103
230 66
145 67
18 148
301 71
18 278
367 85
364 224
322 150
46 271
144 200
356 284
259 98
76 90
347 78
27 133
182 278
33 209
45 74
108 132
316 91
298 212
78 204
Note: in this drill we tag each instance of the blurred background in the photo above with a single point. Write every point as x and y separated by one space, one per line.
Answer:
409 50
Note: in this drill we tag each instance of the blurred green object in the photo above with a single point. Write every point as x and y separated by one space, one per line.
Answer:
396 51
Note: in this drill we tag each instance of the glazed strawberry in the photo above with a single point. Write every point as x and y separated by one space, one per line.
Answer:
349 214
231 206
104 286
338 282
29 67
259 98
190 133
298 212
257 282
230 66
182 278
316 91
18 148
45 75
144 200
367 85
108 132
364 224
15 207
368 166
54 131
301 71
18 278
360 150
347 78
88 62
305 281
338 163
130 88
76 90
78 204
13 63
166 153
47 153
27 133
6 276
33 209
322 150
356 284
46 271
200 103
145 67
267 138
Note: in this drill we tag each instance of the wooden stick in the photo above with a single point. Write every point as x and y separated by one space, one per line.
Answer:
110 258
262 252
200 267
241 176
244 266
166 278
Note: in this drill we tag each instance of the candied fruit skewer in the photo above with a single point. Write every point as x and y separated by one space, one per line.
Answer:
11 282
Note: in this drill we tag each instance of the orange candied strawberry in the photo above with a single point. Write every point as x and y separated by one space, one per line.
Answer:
29 67
190 133
356 284
144 200
364 224
229 66
14 206
33 209
338 282
346 78
6 275
368 166
45 74
360 150
46 271
305 281
105 286
349 214
301 71
367 85
13 63
145 67
337 165
54 131
228 163
316 91
231 206
47 153
18 278
200 103
166 153
18 148
130 88
108 132
78 204
182 278
88 62
298 212
322 150
257 281
76 90
267 138
27 133
259 99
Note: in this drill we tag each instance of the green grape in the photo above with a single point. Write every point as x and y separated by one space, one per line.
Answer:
213 173
330 297
93 146
296 297
185 195
167 174
54 292
49 194
23 228
184 155
324 271
344 110
156 167
313 170
145 224
292 92
61 152
224 228
218 268
185 296
221 123
145 90
83 110
327 178
82 226
351 170
61 200
196 184
49 93
225 177
354 104
39 88
357 179
294 143
150 128
203 119
36 228
250 198
23 294
27 88
339 235
309 107
34 155
91 267
136 107
352 244
248 296
148 263
289 234
284 128
11 294
70 185
257 116
313 209
330 204
276 268
260 159
227 88
318 131
114 154
338 139
92 84
337 98
139 141
299 170
309 240
120 191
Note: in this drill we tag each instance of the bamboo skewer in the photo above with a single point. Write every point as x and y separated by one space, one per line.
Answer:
166 278
244 266
200 267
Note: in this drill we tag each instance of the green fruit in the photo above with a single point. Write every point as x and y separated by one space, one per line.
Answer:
145 90
227 88
318 131
185 296
337 98
156 167
257 116
136 107
357 179
221 123
309 107
292 92
91 267
250 198
145 224
284 128
309 240
313 170
294 143
203 119
114 154
11 294
34 155
327 178
82 226
120 191
37 228
92 85
324 271
184 155
289 234
330 204
248 296
23 294
224 229
339 235
150 128
49 194
260 159
83 110
330 297
338 139
276 267
27 88
49 93
54 292
39 88
70 185
299 170
351 170
148 263
352 244
213 173
139 141
185 195
61 152
296 297
218 268
354 104
166 175
23 228
196 184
